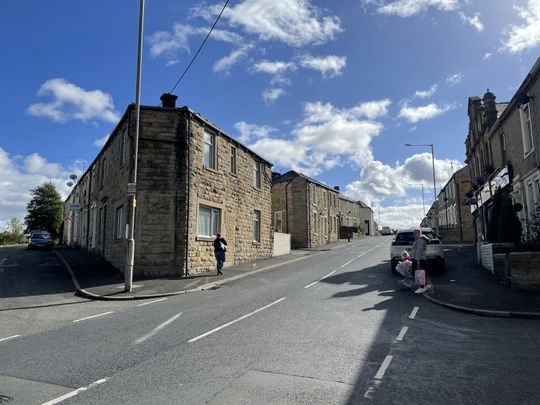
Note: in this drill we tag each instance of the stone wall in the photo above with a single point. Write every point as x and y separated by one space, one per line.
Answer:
525 270
233 194
282 244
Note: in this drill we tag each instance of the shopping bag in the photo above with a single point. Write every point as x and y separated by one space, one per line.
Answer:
404 267
420 277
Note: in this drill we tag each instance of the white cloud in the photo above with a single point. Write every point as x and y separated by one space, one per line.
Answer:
379 181
273 68
227 62
454 79
22 174
472 21
408 215
271 95
487 55
426 93
100 142
408 8
519 38
329 66
326 136
71 102
252 131
425 112
293 22
170 43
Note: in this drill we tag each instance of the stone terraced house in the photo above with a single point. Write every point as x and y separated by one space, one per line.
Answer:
314 213
194 181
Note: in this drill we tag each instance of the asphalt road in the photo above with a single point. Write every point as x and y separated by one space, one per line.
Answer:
330 329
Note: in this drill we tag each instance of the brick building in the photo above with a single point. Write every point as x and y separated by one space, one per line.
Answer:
455 219
193 182
503 151
314 213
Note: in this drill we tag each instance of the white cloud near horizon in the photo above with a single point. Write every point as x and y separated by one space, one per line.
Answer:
425 112
22 174
379 181
100 142
273 68
249 132
330 66
71 102
518 38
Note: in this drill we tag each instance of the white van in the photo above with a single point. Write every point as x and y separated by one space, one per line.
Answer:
386 230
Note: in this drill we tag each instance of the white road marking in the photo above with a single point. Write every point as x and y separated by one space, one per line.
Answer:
315 282
93 316
402 333
414 312
73 393
236 320
349 262
361 254
156 329
9 337
151 302
384 366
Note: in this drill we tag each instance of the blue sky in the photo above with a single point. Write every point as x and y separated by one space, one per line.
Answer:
330 88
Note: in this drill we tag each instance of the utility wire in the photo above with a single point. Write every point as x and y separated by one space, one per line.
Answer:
200 47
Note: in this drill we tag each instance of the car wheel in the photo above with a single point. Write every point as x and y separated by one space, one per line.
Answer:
393 264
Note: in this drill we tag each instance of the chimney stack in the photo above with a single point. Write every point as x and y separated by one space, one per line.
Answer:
275 175
168 100
336 188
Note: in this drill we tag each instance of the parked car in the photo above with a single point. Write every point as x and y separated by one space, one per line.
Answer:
386 230
40 240
404 240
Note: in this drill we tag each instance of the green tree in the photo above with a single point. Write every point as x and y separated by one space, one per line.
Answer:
45 210
13 233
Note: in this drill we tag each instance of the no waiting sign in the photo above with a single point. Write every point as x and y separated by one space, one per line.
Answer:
132 189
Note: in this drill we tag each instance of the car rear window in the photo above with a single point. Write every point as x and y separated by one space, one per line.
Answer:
408 237
41 236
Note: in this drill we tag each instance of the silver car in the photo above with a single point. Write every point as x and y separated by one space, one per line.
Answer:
40 240
404 240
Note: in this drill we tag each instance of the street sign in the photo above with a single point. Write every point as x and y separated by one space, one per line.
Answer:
75 207
131 189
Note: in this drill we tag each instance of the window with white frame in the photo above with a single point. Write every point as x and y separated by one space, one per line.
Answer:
233 160
526 128
256 226
119 223
257 174
278 221
209 221
209 150
122 152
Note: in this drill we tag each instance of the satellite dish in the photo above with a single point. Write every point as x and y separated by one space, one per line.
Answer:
69 183
73 177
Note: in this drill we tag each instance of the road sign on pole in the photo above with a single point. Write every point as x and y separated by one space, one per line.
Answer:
131 189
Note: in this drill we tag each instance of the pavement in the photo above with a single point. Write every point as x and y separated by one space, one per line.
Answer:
465 286
94 278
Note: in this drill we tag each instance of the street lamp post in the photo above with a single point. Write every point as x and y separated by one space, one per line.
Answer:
434 184
130 259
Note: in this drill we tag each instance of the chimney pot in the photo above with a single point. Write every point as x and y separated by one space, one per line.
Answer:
168 100
336 188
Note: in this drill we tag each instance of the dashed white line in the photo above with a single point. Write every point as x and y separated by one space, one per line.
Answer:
414 312
73 393
93 316
315 282
236 320
156 329
361 254
384 366
402 333
349 262
9 337
151 302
